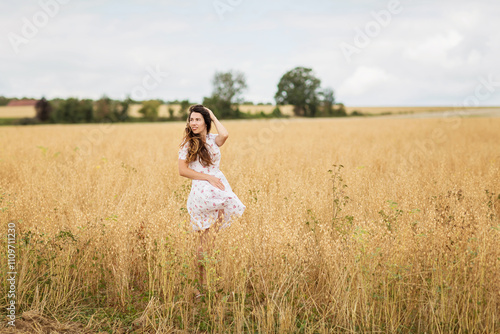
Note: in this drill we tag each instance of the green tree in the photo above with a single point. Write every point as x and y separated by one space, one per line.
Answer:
43 109
150 109
4 100
226 95
220 107
184 108
340 110
105 108
125 105
72 110
111 110
277 112
327 102
299 87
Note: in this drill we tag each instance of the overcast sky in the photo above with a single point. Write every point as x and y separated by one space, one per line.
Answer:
380 53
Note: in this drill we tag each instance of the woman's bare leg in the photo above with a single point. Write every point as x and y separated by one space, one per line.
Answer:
207 241
203 247
220 217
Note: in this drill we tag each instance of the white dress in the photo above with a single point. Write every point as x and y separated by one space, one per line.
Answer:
205 200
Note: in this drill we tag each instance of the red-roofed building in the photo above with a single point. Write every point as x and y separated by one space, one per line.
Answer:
22 103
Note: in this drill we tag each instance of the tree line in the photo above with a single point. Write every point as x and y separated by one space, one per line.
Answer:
298 87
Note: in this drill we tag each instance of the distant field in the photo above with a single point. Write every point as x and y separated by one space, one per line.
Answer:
17 112
406 110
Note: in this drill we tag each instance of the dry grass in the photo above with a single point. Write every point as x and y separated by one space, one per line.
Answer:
403 238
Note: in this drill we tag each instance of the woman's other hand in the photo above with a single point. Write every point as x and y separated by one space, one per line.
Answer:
216 182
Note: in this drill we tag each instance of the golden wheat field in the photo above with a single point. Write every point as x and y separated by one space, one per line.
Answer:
351 226
17 111
370 111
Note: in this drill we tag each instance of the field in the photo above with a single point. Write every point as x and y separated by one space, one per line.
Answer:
416 110
17 112
352 225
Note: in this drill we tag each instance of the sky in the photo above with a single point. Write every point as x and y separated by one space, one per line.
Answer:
371 53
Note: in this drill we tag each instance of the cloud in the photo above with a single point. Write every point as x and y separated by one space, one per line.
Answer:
365 79
430 53
435 49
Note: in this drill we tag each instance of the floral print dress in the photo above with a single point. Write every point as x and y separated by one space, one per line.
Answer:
205 200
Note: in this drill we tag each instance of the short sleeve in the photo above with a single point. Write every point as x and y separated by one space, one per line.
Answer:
183 151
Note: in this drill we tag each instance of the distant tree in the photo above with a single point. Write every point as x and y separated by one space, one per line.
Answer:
299 87
226 95
43 110
277 112
228 86
184 108
220 107
85 108
150 109
125 106
111 110
105 108
4 100
340 110
73 110
327 101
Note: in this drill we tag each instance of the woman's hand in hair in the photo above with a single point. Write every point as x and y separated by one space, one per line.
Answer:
216 182
212 116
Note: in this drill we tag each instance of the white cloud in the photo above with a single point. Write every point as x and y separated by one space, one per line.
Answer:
435 49
363 80
430 53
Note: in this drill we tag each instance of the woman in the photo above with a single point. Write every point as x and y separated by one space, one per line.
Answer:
211 203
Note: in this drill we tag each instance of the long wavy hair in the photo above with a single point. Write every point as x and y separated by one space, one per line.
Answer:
197 148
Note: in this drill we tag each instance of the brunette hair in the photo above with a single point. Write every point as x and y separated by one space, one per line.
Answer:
197 148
